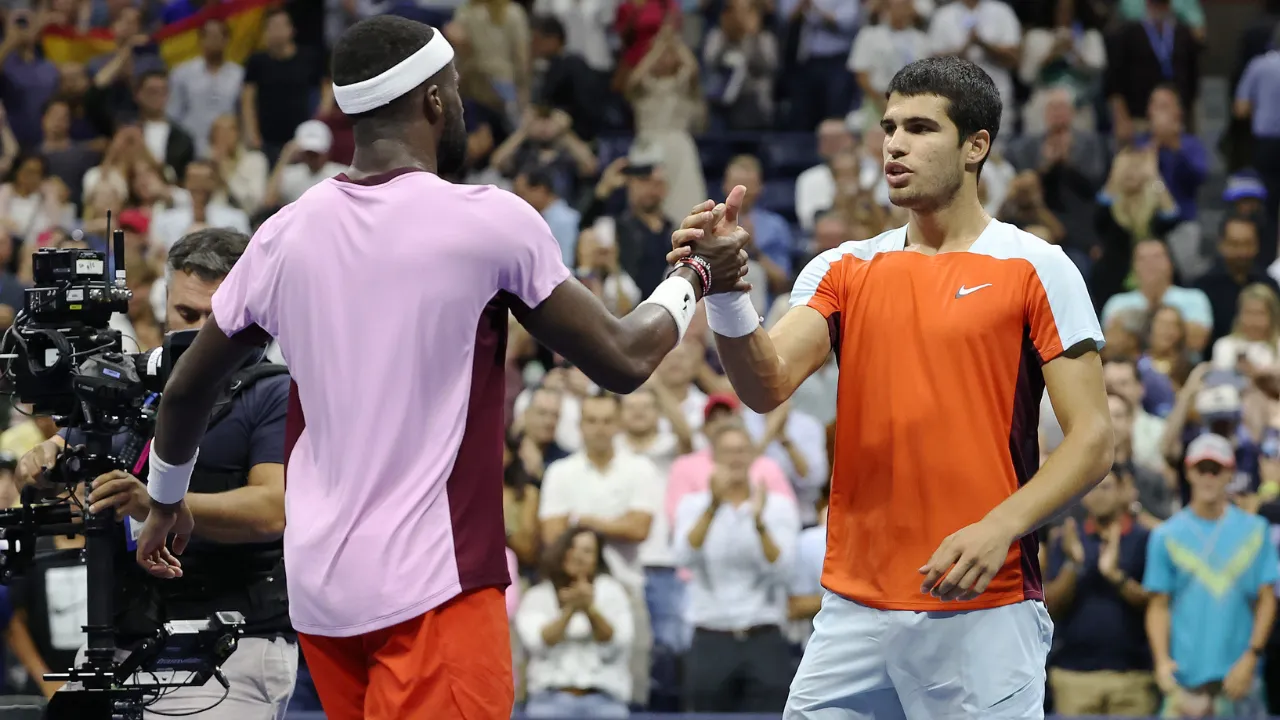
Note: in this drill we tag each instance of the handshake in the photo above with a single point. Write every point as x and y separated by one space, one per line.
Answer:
712 243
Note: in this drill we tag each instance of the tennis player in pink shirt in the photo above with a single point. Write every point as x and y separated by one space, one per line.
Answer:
388 289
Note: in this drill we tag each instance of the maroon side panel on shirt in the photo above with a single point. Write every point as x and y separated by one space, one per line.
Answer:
475 485
1024 452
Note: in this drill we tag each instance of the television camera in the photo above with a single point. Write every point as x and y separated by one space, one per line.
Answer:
62 357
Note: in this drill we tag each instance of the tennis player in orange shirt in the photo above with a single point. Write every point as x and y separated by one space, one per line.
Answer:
947 332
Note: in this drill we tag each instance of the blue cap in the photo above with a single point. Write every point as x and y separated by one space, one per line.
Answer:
1244 185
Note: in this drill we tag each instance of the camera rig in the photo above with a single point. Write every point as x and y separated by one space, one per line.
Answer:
62 358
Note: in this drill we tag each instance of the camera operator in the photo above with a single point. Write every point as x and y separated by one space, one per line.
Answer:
235 562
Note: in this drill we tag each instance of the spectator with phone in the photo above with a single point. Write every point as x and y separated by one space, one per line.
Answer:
643 229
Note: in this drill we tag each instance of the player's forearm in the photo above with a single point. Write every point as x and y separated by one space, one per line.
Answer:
757 372
194 386
1158 627
244 515
637 345
1079 463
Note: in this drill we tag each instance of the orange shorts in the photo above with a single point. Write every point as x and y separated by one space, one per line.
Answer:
451 662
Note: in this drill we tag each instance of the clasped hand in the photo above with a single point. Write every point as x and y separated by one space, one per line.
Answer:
712 232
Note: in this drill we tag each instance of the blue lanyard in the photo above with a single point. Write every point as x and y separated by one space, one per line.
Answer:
1162 45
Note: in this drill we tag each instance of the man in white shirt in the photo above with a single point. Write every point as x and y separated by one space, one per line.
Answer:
664 596
205 87
616 495
881 50
816 187
738 541
985 32
304 162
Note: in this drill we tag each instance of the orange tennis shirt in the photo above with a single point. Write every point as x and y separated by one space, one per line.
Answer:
939 398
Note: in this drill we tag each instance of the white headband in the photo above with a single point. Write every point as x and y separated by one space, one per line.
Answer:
408 74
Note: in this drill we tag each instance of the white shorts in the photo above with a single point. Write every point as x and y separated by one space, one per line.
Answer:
868 664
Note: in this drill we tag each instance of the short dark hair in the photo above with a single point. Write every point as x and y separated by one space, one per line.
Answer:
553 558
22 159
209 254
536 177
374 46
1123 360
150 74
55 100
548 25
973 101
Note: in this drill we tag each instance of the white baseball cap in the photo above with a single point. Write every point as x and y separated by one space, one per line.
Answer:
1211 448
313 136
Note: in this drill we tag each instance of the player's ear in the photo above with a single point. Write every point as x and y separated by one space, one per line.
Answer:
977 147
433 104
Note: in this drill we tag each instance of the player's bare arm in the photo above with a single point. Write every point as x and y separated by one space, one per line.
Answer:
975 553
187 402
764 367
620 354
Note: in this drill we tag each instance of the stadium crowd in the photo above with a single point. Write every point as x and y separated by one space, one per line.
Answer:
635 523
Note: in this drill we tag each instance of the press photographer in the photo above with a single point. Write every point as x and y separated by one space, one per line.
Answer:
235 561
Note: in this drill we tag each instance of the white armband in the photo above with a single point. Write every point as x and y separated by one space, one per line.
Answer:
732 315
167 484
676 296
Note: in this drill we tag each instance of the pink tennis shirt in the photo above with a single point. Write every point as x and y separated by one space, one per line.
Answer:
389 297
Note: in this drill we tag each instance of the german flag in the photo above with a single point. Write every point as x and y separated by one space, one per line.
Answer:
178 42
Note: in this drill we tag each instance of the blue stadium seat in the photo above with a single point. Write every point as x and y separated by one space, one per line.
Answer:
786 155
611 148
715 154
780 197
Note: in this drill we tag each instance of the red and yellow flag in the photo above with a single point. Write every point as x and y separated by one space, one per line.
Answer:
63 45
178 41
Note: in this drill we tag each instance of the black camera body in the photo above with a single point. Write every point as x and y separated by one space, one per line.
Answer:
62 358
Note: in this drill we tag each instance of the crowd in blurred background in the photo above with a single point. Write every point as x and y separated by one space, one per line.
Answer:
612 118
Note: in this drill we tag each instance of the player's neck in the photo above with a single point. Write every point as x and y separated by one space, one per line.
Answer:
1208 509
952 228
383 156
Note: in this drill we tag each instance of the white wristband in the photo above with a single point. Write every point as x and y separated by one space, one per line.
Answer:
676 296
167 484
732 315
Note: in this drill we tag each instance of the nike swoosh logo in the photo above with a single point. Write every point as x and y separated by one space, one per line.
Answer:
970 290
